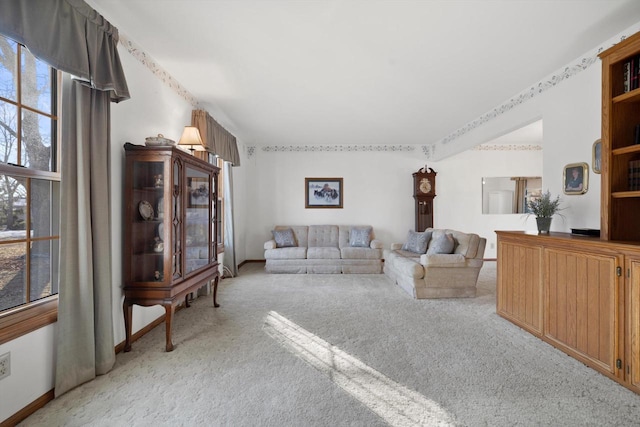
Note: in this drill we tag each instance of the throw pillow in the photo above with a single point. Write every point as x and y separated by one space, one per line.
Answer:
443 244
417 242
284 238
360 237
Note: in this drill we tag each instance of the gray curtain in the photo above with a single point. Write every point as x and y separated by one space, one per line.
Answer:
217 139
70 36
85 310
520 195
74 38
229 257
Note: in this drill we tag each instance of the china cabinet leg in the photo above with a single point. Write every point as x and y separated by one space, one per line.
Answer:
215 292
127 309
169 310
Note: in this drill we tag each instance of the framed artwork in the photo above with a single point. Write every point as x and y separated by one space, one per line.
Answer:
323 192
597 156
199 193
576 178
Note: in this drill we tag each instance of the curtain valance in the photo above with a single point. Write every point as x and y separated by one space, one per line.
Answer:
216 139
70 36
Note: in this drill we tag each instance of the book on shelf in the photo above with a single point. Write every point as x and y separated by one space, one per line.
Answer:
634 175
631 74
626 76
636 135
634 73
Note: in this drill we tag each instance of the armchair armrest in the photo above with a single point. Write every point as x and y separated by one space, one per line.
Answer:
396 246
376 244
270 244
443 260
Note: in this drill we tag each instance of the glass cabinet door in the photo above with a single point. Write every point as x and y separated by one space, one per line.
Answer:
176 221
147 222
197 219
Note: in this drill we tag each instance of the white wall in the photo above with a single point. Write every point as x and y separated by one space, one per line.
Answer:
460 185
571 114
378 190
32 370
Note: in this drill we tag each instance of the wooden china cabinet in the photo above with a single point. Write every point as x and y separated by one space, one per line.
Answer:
170 247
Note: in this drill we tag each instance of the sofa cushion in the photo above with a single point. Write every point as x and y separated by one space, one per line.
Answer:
417 241
466 243
295 252
323 236
442 244
360 237
284 238
360 253
323 253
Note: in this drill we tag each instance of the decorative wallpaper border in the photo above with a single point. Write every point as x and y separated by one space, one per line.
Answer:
429 151
315 148
508 147
157 70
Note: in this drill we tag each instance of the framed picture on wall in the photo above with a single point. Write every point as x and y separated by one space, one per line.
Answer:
323 192
576 178
597 156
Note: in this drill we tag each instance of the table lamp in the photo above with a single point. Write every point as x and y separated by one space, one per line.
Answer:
191 137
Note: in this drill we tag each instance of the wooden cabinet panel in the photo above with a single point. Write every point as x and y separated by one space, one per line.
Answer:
519 290
581 304
633 337
590 297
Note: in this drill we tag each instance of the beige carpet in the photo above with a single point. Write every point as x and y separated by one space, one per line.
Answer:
343 350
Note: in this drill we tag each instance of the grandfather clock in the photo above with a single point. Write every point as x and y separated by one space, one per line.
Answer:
424 190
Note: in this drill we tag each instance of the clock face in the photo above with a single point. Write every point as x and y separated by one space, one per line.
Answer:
425 185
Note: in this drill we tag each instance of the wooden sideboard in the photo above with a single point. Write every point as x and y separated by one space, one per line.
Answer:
580 294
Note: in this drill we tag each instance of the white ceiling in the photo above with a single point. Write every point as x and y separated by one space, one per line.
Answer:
361 72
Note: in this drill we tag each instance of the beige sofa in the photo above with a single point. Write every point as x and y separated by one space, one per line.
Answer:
437 275
323 249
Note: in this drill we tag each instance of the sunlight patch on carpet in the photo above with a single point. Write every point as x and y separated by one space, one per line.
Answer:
393 402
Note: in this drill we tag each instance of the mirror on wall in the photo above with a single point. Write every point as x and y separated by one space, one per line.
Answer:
509 195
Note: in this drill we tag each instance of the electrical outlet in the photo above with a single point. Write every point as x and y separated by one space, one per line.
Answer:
492 246
5 365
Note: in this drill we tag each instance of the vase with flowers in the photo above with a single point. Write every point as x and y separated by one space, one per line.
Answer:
544 208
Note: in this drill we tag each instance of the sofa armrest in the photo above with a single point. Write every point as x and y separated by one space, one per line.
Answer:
271 244
376 244
443 260
396 246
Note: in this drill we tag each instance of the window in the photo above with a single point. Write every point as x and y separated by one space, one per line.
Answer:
29 191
